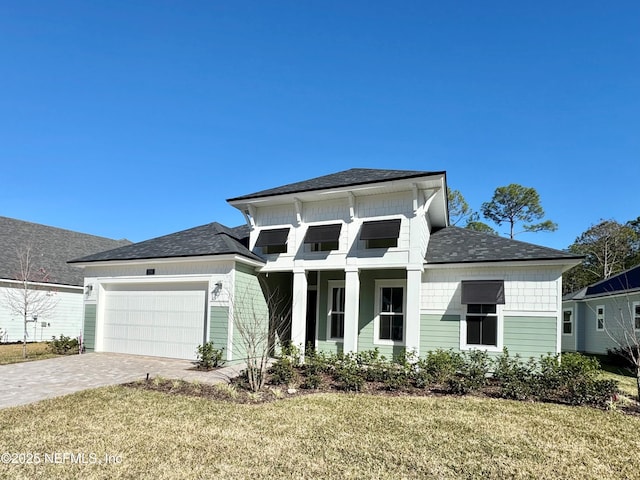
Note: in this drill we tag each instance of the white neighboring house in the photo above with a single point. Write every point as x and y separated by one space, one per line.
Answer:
364 258
50 249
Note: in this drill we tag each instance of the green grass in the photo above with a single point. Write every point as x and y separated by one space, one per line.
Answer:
319 436
12 353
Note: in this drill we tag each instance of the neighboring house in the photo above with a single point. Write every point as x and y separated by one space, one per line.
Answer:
596 317
364 258
50 248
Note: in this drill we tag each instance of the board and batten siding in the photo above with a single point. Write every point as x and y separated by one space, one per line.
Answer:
250 310
89 328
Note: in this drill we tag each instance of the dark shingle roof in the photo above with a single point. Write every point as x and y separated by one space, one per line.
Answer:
210 239
50 248
459 245
346 178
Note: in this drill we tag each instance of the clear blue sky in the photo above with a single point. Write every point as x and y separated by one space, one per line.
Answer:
138 119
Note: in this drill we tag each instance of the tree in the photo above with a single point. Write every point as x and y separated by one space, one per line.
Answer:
607 247
515 203
458 207
260 314
476 225
623 329
33 299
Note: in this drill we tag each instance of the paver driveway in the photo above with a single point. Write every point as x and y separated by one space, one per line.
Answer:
22 383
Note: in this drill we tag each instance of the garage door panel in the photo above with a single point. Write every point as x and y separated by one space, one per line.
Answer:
154 322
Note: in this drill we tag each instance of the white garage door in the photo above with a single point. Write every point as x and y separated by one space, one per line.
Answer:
158 321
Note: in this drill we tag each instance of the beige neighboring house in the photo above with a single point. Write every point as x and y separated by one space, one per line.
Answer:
50 249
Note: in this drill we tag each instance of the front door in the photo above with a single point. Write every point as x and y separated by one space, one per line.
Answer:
312 300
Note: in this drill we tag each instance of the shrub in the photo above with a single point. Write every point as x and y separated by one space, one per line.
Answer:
282 372
475 368
597 393
517 378
312 381
208 356
64 345
437 367
348 373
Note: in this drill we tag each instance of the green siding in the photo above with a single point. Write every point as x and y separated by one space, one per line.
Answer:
439 331
367 310
89 329
531 336
219 328
250 308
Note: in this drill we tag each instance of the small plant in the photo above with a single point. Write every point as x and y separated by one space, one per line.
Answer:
277 393
438 367
349 374
227 389
311 381
209 357
64 345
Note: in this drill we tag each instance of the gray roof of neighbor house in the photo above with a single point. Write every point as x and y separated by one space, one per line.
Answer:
50 249
346 178
460 245
624 282
211 239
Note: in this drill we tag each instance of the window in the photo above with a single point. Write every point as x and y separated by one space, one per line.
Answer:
567 322
381 233
636 315
273 240
335 310
600 317
322 238
482 324
390 311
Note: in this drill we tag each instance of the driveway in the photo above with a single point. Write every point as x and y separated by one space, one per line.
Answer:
22 383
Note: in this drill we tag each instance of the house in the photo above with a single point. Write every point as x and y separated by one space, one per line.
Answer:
363 259
596 318
49 248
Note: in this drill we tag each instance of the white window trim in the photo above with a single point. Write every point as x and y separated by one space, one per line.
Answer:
633 314
331 284
598 307
379 284
488 348
570 310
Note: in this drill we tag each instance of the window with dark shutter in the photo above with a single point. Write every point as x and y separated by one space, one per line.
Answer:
381 233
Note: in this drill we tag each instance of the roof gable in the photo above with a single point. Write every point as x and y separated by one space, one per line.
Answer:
460 245
346 178
210 239
52 248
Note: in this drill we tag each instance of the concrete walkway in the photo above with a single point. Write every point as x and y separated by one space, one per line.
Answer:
22 383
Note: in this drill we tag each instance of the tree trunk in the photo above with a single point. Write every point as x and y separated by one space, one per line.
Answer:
24 338
638 380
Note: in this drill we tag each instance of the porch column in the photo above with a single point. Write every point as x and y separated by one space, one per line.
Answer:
299 308
412 316
351 309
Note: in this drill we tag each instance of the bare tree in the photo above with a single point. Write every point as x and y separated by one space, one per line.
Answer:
624 330
33 299
260 316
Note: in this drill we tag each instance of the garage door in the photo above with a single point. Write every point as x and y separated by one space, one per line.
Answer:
159 321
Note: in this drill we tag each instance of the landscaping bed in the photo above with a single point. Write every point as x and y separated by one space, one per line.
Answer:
577 380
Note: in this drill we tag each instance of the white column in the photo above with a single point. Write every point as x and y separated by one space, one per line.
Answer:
351 309
299 308
412 316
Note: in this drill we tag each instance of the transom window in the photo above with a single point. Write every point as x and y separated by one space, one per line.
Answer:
600 317
391 315
336 312
567 322
482 324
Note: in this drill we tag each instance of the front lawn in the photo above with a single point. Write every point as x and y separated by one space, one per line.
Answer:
151 434
12 352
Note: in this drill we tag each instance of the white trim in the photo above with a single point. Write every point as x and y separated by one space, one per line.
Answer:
230 324
499 333
199 258
598 307
331 284
385 283
568 263
43 284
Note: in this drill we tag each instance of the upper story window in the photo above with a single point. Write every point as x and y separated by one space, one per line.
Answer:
381 233
273 240
600 317
322 238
